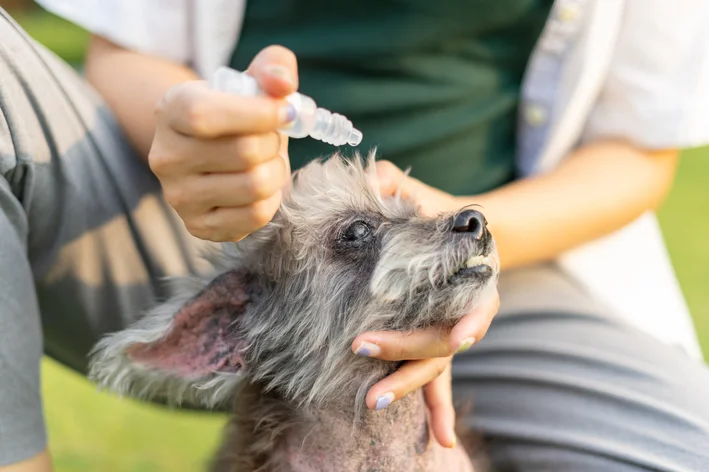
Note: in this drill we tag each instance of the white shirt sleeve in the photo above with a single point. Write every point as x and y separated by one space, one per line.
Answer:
657 89
160 28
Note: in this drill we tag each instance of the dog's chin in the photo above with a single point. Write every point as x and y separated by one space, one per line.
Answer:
477 270
481 272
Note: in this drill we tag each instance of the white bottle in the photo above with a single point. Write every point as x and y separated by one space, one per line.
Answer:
318 123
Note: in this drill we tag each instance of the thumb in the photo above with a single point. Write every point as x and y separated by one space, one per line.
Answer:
275 69
391 179
388 177
283 152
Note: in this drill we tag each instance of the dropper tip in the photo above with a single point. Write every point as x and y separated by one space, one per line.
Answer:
355 137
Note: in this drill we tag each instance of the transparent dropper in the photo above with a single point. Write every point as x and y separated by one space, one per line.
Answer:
318 123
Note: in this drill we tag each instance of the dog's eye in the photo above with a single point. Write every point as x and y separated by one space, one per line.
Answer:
357 231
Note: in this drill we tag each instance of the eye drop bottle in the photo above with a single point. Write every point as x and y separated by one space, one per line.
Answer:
318 123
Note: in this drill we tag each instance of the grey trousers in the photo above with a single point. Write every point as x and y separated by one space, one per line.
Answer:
86 238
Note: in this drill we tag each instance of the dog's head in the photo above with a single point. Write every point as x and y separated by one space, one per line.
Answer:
337 260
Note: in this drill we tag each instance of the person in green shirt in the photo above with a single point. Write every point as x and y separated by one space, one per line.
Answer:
558 382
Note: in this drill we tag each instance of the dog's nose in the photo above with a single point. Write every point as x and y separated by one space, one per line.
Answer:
470 221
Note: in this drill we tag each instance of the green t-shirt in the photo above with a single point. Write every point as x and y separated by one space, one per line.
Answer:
434 85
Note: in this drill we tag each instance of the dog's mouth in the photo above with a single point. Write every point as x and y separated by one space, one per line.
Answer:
480 266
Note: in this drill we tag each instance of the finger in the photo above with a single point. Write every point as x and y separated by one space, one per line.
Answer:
388 177
433 342
392 179
283 152
188 155
409 377
473 327
236 154
193 109
275 69
398 346
203 192
232 224
439 399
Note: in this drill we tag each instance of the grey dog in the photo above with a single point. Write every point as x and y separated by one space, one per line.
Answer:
271 328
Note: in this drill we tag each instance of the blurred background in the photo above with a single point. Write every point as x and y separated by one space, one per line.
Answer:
90 431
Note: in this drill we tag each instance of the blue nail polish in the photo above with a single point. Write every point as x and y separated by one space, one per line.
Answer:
368 350
384 401
363 351
290 113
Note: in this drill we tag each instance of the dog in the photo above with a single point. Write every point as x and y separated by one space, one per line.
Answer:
271 328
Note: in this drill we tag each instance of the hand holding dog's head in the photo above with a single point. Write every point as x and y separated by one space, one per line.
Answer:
337 260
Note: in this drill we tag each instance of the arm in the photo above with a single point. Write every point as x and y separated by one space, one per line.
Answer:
598 189
39 463
132 84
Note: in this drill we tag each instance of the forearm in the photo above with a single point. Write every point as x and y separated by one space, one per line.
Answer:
39 463
600 188
132 84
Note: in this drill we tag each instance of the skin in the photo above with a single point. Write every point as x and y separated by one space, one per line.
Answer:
222 166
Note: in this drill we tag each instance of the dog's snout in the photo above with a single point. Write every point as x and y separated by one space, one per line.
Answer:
470 221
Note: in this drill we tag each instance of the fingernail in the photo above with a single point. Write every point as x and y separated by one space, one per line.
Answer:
281 72
368 350
453 443
465 345
384 401
288 113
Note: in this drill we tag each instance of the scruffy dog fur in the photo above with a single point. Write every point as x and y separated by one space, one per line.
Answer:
271 329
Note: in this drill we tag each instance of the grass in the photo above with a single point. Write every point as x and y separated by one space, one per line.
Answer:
685 224
90 431
64 38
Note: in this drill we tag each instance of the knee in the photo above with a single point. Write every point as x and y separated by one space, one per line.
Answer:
591 384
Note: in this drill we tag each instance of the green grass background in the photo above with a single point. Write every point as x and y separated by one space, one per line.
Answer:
89 431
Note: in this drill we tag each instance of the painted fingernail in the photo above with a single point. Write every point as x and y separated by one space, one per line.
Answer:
465 345
368 350
281 72
384 401
288 113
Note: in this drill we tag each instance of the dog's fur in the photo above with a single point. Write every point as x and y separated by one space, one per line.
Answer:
272 328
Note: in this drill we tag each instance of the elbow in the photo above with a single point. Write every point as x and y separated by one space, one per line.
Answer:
661 172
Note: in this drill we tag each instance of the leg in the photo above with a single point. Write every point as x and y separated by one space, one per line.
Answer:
560 390
86 234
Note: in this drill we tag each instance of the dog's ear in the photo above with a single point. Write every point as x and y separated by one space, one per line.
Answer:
188 348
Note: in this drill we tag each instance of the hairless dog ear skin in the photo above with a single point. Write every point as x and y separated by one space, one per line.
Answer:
188 348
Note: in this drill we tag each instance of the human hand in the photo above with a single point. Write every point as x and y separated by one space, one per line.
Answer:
220 160
431 201
428 352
